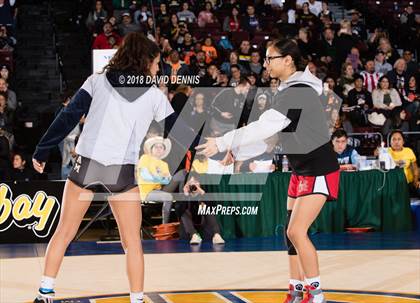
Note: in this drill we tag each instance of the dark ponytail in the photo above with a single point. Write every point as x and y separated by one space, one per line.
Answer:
290 47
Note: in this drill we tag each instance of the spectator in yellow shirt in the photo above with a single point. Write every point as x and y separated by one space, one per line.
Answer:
153 175
405 158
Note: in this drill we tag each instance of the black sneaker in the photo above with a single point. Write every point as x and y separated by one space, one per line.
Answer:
45 297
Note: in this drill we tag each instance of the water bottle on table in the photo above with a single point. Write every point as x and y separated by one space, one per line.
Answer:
284 164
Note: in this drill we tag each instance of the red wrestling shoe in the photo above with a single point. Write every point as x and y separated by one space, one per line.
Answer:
310 294
293 296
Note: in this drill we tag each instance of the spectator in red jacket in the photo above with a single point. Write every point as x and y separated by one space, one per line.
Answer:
102 42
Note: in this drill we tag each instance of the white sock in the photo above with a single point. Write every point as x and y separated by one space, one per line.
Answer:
297 284
136 297
316 283
47 282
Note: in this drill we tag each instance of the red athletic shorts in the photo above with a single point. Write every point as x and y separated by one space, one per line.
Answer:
307 185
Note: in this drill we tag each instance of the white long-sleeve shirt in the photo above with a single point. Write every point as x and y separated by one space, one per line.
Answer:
269 123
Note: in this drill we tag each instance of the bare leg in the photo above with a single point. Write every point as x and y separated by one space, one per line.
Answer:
295 269
305 211
72 213
127 213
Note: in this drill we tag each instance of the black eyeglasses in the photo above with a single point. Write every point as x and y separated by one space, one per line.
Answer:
268 58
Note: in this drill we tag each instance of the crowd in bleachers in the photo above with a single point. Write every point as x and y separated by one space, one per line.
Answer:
369 62
10 166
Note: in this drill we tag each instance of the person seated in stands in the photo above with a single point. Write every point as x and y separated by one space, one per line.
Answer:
411 100
244 54
96 17
400 120
355 60
325 11
200 112
306 18
141 15
346 80
7 43
359 102
227 106
101 41
206 16
358 25
153 174
174 66
412 65
127 25
6 116
11 95
385 46
211 77
210 51
5 74
405 158
332 85
185 14
232 23
385 98
371 78
381 66
251 22
255 65
398 76
20 172
260 105
346 155
233 60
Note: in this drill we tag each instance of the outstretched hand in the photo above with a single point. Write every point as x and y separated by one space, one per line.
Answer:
38 166
208 149
228 159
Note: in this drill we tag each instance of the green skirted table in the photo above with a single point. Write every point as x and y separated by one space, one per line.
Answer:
366 199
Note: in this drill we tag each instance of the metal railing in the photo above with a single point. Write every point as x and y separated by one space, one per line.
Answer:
367 134
59 66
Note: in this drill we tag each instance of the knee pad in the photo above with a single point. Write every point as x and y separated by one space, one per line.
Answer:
291 251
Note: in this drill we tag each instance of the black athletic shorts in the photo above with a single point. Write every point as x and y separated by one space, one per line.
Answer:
90 174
